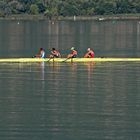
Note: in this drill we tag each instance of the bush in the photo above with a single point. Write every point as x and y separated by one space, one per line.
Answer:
34 9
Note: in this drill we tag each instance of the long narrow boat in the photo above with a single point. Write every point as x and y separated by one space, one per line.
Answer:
31 60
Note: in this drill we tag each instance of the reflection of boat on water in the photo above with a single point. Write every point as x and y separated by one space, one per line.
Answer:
42 67
32 60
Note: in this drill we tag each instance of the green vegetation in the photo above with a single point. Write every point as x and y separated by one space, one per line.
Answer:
54 8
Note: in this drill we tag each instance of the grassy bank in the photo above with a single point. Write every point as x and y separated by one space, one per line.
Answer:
97 17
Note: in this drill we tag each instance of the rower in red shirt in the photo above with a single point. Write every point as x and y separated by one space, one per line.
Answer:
73 53
89 54
55 53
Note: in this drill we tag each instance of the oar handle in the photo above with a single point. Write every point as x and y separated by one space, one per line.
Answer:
50 59
68 59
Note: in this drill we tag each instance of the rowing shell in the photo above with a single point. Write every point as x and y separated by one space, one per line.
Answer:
18 60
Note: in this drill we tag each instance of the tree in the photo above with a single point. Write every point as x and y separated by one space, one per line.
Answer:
123 6
105 7
34 9
69 7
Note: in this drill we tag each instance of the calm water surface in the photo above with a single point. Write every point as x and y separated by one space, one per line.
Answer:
70 101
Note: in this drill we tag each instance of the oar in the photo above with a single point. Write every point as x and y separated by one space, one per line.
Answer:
67 59
50 59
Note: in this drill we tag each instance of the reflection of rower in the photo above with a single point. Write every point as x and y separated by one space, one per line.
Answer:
55 53
73 54
41 53
89 54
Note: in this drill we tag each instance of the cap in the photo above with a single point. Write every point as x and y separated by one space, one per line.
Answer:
88 49
72 48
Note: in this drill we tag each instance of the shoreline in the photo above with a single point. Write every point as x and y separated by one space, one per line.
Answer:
74 18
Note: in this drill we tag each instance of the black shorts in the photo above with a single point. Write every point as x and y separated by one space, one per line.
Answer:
55 56
74 56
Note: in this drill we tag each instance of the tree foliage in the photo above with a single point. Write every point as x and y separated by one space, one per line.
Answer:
69 7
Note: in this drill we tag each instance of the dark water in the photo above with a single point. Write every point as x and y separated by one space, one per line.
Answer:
70 101
107 38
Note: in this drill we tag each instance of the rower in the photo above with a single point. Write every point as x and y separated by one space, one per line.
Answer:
55 53
73 53
41 53
89 54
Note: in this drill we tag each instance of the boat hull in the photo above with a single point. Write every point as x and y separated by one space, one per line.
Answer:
31 60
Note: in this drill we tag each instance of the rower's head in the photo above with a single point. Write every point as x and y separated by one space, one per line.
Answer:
53 49
88 49
72 48
41 49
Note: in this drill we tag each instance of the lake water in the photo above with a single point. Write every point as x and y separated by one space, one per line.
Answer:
70 101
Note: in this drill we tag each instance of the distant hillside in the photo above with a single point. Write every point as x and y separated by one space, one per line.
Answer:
51 8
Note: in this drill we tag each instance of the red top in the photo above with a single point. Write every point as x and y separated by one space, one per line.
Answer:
91 53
